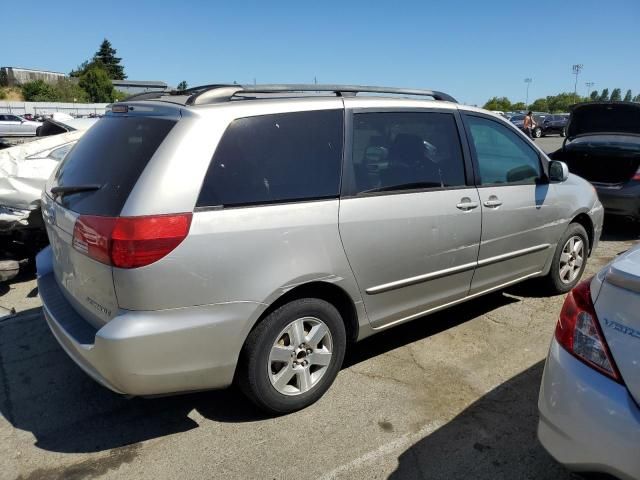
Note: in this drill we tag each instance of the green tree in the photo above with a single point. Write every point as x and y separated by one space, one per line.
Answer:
106 55
616 95
594 95
182 85
637 98
604 96
627 96
68 90
540 105
518 106
502 104
562 102
38 91
96 82
119 95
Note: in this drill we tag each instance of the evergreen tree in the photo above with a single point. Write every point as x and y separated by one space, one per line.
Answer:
627 96
637 98
95 81
604 96
594 95
107 56
616 95
182 85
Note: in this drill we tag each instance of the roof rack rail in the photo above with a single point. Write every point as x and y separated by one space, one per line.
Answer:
205 94
344 90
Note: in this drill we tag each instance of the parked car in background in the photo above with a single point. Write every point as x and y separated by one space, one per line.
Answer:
16 126
538 117
603 146
232 232
589 414
24 169
553 123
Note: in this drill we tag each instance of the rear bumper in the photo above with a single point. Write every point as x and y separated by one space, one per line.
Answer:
150 353
623 201
588 422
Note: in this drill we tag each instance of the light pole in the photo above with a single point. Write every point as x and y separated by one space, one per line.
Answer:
577 68
528 82
589 85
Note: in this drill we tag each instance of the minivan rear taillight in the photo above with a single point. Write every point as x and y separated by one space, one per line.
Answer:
129 242
578 331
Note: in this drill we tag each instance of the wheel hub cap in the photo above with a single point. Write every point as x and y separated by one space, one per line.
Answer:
300 356
571 259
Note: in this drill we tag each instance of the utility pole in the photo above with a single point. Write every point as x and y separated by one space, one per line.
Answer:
589 85
577 68
528 82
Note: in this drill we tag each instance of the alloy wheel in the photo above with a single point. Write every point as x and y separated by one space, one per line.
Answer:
571 259
300 356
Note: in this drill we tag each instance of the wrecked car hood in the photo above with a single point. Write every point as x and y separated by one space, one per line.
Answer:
22 179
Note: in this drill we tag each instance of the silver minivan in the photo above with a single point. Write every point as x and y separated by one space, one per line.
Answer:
251 234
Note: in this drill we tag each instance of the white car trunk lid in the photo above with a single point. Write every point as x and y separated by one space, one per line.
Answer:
618 309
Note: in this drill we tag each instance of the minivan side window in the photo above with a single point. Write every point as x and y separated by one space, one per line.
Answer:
396 151
276 158
503 157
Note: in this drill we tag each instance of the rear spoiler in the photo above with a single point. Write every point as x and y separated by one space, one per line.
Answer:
622 279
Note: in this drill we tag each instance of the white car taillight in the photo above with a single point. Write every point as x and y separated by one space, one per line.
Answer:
578 331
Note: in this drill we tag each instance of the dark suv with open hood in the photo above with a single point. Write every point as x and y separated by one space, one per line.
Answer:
603 146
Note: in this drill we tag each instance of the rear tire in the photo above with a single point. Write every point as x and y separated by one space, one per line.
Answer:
292 357
537 132
569 260
563 132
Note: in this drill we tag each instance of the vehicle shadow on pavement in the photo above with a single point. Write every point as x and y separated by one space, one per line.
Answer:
424 327
43 392
494 438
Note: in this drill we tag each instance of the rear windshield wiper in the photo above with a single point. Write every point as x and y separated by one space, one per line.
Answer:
66 190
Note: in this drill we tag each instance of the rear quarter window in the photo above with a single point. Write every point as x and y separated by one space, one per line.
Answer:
276 158
113 154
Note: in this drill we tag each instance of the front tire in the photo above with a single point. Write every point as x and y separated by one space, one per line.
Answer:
293 356
569 260
563 132
537 132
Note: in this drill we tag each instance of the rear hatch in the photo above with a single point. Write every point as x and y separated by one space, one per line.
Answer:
603 142
94 182
618 309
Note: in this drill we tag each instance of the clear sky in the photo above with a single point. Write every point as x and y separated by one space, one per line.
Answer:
471 49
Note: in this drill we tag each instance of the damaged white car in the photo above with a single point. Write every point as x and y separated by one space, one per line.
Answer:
24 170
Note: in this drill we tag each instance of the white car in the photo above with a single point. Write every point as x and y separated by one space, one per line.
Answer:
589 413
16 126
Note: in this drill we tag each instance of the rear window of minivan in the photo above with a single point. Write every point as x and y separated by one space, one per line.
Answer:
276 158
112 154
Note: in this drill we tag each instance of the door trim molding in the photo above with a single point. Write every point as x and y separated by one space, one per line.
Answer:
455 302
405 282
514 254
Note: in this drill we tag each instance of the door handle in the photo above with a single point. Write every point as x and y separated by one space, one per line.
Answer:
492 202
466 204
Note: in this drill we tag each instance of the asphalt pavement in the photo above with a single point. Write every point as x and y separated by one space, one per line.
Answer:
448 396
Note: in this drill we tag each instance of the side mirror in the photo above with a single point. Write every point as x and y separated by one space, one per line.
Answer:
558 171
